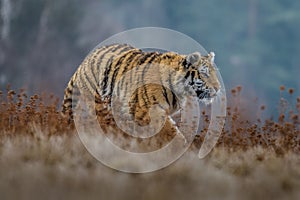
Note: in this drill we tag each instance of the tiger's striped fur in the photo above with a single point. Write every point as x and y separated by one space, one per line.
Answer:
104 67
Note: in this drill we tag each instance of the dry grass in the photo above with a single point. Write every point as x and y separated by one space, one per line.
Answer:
245 128
39 167
41 157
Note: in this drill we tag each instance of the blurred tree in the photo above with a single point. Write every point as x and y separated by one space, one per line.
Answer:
256 42
42 43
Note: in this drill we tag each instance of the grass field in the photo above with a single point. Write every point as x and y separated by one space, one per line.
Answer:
41 157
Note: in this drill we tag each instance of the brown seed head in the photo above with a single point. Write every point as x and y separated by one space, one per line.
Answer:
239 88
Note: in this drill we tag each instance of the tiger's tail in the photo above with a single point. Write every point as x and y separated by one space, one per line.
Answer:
70 99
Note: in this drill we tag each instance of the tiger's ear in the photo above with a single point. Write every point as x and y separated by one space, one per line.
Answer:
193 57
212 55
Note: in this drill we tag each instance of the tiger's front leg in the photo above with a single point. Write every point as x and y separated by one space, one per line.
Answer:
139 108
141 115
146 112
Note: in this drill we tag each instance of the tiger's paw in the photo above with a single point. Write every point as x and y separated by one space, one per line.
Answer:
142 117
143 121
176 129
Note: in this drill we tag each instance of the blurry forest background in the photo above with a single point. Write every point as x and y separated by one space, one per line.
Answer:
257 43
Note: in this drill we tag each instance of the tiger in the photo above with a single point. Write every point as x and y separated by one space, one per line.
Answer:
105 66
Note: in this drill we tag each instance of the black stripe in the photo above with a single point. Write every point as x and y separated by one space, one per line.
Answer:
105 79
143 115
117 68
134 104
166 56
125 49
186 64
152 57
187 74
84 87
154 98
70 91
93 71
192 77
164 91
92 85
119 47
106 73
96 80
132 63
144 58
68 100
131 71
140 61
110 48
174 100
165 94
103 53
109 67
125 63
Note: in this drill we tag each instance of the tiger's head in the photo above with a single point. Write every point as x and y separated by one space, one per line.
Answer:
201 76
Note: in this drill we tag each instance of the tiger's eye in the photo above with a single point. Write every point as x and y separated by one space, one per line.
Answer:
204 71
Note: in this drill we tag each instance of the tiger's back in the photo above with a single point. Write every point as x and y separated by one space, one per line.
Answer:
103 68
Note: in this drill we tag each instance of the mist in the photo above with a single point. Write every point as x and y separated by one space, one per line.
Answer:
256 43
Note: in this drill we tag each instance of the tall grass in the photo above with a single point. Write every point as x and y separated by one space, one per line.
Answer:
243 129
255 158
18 112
